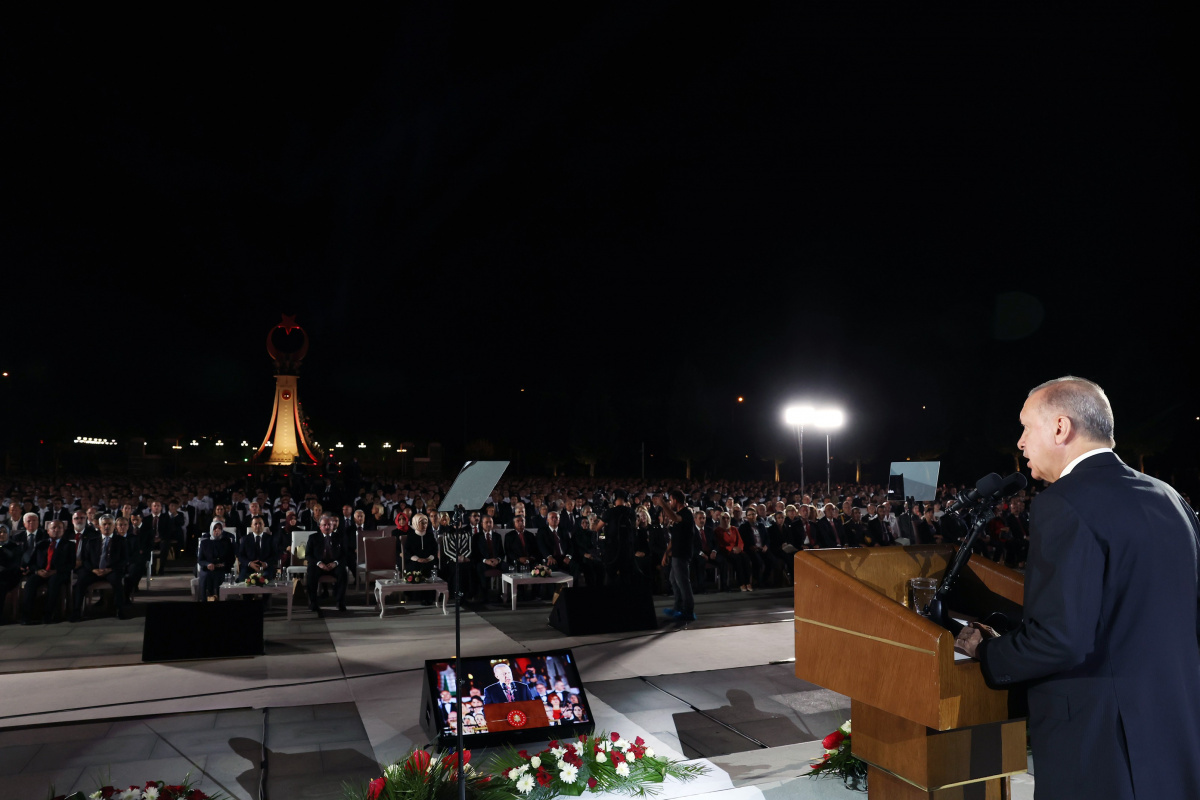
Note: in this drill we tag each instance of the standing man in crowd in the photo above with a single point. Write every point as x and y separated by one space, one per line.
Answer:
1108 642
617 526
675 513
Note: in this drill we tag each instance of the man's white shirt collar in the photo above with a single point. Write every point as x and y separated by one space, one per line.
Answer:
1067 470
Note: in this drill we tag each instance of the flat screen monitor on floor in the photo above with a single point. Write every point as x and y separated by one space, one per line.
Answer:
505 698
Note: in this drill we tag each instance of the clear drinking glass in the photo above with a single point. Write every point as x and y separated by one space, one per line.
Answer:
920 594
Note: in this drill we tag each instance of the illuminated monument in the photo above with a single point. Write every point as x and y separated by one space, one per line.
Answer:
287 429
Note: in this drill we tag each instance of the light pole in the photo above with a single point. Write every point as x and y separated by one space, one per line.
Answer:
798 417
829 419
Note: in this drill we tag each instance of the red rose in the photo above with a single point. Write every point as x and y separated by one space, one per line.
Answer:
107 791
485 779
591 783
523 754
831 741
376 788
196 794
583 737
616 737
553 744
450 760
639 742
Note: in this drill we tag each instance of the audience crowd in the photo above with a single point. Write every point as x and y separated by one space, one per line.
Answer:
62 538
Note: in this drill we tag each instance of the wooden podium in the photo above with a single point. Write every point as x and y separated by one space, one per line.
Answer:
928 727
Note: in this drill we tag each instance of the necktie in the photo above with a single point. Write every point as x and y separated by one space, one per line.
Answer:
50 555
557 547
508 692
328 556
258 544
491 552
104 553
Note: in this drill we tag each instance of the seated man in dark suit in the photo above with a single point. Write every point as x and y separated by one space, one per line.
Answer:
487 555
256 551
326 555
828 530
215 560
48 564
505 689
102 560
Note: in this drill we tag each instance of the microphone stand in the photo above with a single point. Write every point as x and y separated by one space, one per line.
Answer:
939 611
459 551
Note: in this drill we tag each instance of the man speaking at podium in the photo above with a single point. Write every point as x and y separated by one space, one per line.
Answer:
1108 641
505 690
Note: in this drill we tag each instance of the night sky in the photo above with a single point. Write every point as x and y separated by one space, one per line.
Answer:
636 216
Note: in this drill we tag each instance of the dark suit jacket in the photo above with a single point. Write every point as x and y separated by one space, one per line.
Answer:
545 541
513 548
217 551
64 556
91 549
314 550
479 547
823 530
495 692
248 551
1109 643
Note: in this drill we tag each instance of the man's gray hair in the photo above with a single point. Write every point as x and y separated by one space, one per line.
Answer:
1084 402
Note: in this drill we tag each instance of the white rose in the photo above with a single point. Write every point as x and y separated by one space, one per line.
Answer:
535 762
649 752
525 784
568 773
846 728
623 769
601 758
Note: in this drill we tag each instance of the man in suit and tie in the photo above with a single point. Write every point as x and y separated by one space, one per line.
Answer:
554 545
520 546
828 530
1108 641
256 551
102 560
487 552
30 535
505 689
48 564
326 555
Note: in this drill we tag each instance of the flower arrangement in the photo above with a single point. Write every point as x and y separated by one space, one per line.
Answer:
422 776
540 571
153 790
601 763
414 576
256 579
838 760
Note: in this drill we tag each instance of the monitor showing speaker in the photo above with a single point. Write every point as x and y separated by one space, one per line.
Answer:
189 631
505 698
585 610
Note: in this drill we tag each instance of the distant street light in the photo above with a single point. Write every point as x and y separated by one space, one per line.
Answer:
798 417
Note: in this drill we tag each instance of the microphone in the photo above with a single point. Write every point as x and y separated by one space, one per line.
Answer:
987 486
1011 485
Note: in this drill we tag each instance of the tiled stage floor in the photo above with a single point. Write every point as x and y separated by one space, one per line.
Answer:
337 695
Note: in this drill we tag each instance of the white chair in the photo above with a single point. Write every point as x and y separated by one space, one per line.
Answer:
299 542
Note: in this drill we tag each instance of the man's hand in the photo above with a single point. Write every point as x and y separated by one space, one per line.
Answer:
211 567
42 573
968 640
